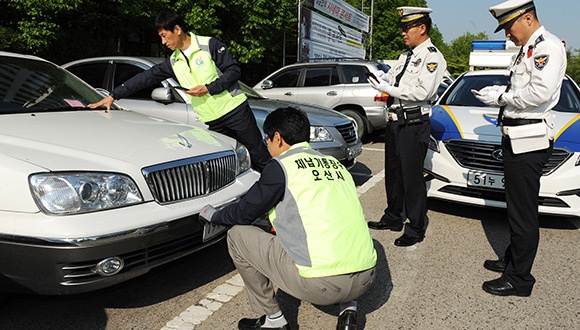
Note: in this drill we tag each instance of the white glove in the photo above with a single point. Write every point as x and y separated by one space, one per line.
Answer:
381 75
498 88
206 213
382 85
490 95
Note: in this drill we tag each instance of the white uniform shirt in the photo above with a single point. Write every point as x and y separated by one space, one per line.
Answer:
537 78
422 77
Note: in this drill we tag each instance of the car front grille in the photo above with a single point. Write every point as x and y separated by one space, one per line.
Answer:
191 177
348 132
484 156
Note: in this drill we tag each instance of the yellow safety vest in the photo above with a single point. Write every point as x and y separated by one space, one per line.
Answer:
200 69
320 221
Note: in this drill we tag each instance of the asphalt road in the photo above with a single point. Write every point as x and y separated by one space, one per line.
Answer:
433 285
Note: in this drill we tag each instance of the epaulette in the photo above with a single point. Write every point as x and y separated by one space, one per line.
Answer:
432 49
539 39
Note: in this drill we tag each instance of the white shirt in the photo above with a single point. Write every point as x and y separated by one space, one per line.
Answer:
422 77
537 78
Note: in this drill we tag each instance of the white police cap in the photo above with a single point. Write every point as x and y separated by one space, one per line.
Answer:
507 12
410 15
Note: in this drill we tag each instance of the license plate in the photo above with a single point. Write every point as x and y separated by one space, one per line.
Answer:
354 151
210 231
487 180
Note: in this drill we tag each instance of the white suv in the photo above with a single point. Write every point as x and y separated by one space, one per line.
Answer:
341 85
92 198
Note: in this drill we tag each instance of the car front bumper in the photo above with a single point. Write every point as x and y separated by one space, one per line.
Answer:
57 267
446 180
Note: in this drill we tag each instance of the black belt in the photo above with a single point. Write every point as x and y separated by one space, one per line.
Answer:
519 121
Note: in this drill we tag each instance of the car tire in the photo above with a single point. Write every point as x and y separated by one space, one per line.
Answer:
359 120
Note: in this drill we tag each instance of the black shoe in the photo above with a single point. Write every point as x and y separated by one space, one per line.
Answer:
347 321
495 265
389 224
501 287
256 324
407 240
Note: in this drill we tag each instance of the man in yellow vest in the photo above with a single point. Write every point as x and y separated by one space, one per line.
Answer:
206 68
322 251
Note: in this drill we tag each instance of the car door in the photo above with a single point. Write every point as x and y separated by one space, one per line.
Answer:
285 85
321 86
142 102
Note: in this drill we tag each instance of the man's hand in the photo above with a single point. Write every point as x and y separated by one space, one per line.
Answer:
107 102
381 75
199 90
490 95
207 212
381 85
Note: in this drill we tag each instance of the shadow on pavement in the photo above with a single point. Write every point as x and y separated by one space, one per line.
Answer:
372 300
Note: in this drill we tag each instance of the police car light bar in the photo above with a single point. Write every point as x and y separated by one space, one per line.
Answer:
488 45
492 53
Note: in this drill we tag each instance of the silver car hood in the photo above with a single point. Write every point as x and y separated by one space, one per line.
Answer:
316 115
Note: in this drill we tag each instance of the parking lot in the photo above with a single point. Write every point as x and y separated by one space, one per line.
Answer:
433 285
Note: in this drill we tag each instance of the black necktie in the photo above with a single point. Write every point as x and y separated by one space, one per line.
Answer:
390 100
509 84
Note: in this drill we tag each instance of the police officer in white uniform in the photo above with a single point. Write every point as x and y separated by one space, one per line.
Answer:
412 86
526 123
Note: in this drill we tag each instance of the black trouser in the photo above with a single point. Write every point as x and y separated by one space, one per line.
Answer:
522 189
405 151
241 125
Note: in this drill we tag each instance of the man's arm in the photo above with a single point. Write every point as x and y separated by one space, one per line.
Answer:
261 198
153 76
231 71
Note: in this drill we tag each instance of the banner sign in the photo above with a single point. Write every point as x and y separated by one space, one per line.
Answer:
326 31
343 12
311 50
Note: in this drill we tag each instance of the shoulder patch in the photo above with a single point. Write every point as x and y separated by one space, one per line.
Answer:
432 49
432 66
540 61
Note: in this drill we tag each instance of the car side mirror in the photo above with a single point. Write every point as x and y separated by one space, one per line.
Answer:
103 91
163 95
267 84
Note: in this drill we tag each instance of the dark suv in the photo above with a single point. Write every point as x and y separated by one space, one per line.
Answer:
341 85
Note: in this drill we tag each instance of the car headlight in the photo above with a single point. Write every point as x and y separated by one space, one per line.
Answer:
73 193
319 134
244 160
433 144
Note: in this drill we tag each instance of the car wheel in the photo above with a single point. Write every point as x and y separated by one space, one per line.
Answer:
360 122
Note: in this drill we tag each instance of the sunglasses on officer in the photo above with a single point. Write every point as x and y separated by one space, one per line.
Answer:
405 29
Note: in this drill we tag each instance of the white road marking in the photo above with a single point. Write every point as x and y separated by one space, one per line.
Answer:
197 313
371 183
374 149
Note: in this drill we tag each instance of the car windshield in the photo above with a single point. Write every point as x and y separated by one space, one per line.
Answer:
250 92
460 94
30 85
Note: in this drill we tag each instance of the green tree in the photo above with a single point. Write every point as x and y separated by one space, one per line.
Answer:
573 69
457 53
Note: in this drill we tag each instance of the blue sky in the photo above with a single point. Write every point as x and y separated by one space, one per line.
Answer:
455 17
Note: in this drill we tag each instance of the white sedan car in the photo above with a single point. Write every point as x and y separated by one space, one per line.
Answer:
92 198
464 162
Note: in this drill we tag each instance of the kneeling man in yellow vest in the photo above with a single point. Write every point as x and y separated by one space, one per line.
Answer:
322 251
